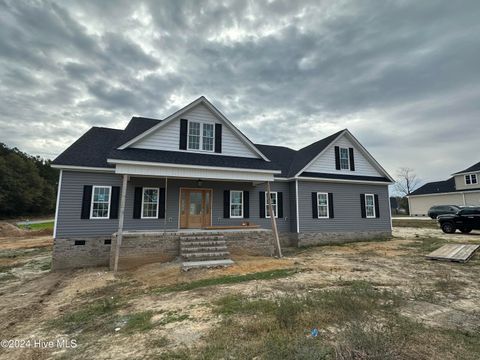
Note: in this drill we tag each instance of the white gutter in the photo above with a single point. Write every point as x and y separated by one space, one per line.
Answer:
82 168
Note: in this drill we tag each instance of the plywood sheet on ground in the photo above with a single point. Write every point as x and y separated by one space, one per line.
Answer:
454 252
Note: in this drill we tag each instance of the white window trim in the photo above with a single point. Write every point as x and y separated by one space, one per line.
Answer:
318 206
469 176
374 205
340 157
200 146
109 202
236 216
143 200
275 207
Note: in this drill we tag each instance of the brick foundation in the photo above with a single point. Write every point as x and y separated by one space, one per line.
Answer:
311 239
67 255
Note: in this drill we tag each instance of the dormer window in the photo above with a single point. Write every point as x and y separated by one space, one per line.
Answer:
344 159
471 179
201 136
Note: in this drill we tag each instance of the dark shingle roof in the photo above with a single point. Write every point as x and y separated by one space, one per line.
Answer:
306 154
344 176
91 149
281 156
135 127
99 144
475 167
189 158
436 187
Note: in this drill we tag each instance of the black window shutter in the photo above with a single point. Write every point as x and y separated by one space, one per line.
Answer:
377 207
362 205
261 195
86 202
337 158
280 204
246 204
115 196
137 203
331 213
161 204
314 205
218 138
183 134
226 204
352 159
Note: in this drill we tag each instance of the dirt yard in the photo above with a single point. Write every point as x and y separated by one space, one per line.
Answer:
369 300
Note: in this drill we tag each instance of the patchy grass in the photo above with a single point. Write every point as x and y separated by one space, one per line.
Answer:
426 245
40 226
94 316
228 279
447 284
140 321
18 253
425 224
358 321
171 317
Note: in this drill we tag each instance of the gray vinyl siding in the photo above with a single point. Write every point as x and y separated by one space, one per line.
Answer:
347 210
292 205
69 223
70 203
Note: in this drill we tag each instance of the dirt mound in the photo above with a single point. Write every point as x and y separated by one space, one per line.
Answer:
7 229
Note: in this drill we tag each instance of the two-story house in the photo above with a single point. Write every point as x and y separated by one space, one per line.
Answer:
156 182
462 189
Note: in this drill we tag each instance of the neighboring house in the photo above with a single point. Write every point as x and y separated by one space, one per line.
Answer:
463 189
196 170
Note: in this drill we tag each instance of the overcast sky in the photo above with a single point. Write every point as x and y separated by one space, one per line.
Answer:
403 76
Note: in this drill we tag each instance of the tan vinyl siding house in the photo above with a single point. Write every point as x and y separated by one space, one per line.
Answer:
462 189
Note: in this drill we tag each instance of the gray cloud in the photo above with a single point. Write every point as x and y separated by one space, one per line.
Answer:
402 76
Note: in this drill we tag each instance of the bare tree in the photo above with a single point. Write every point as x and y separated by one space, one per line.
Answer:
407 181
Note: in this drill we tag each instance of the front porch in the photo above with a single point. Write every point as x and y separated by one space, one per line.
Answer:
191 246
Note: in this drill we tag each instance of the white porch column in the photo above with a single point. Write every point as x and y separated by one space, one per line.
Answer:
120 221
274 221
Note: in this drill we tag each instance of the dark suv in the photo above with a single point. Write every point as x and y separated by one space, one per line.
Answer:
464 220
442 209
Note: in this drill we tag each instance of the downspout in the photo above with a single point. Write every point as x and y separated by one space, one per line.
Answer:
165 213
58 203
464 201
120 221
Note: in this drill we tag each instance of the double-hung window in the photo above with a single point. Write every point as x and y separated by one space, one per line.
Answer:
471 179
150 203
322 205
273 196
201 136
236 204
208 136
344 159
100 202
370 205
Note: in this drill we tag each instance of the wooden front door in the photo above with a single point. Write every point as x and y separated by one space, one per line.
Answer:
195 208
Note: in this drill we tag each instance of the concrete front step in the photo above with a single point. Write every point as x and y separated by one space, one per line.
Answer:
190 249
206 264
202 238
203 243
206 255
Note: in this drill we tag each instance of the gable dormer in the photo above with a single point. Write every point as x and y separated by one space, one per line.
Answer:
345 156
197 128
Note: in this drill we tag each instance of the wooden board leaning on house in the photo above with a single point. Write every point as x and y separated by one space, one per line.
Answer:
454 252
